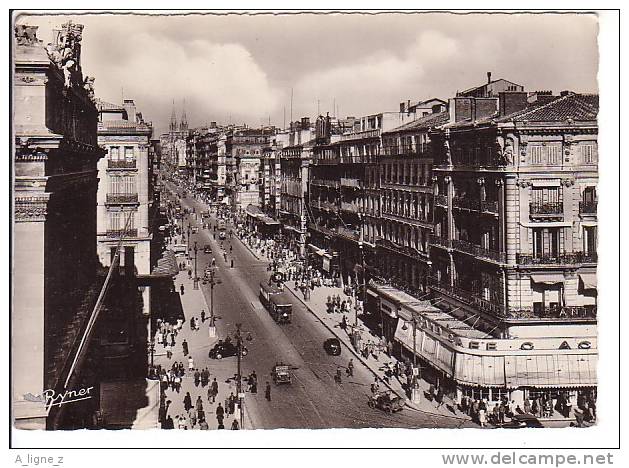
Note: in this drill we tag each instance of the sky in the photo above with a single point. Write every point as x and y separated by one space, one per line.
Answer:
243 68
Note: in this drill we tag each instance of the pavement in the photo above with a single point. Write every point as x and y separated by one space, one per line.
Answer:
316 304
313 399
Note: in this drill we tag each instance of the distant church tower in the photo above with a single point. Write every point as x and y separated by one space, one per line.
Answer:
173 120
183 126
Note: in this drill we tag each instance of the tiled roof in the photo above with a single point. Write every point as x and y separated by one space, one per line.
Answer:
578 107
431 120
108 106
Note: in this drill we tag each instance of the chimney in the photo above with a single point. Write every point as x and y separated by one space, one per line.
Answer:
402 107
129 106
488 77
512 101
305 122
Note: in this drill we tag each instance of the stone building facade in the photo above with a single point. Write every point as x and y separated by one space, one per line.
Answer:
55 264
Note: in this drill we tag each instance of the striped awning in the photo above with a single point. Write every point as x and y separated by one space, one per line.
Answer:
551 370
166 265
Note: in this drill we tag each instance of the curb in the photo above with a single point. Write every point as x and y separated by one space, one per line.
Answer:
248 248
407 402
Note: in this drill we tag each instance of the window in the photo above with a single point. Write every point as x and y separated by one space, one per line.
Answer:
554 155
537 154
115 185
114 153
587 154
546 242
589 240
128 153
114 221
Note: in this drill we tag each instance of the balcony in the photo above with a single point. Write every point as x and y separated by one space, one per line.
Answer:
489 206
320 161
373 133
401 249
546 210
118 233
121 164
325 183
441 200
440 241
466 297
469 203
573 258
350 182
350 207
348 233
559 312
324 205
122 198
478 251
587 208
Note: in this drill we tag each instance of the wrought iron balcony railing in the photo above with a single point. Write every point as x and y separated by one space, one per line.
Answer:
587 207
131 198
441 200
546 209
117 233
478 251
440 241
121 164
571 258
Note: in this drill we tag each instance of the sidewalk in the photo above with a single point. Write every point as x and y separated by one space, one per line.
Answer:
317 306
199 343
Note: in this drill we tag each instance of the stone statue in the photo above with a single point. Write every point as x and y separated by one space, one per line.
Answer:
88 85
507 154
446 144
65 52
26 35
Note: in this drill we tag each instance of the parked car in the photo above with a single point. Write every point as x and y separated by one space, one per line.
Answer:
520 421
207 249
386 401
332 346
225 349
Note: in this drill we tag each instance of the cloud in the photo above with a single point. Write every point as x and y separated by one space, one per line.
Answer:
216 80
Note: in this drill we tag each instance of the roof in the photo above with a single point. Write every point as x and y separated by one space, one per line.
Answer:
486 84
108 106
431 120
578 107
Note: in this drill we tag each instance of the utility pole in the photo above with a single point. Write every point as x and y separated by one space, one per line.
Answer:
196 277
239 377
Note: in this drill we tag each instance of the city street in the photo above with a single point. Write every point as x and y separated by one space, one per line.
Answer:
313 399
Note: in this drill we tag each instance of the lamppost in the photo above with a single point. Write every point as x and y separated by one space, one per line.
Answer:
241 395
196 277
415 379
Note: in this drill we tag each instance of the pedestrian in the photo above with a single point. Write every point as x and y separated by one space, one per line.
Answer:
184 345
220 413
202 316
192 320
203 425
439 397
235 425
232 403
214 389
197 378
190 363
350 368
187 401
199 404
267 392
338 377
169 424
182 289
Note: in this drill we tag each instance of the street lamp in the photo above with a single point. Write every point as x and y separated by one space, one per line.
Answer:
241 395
414 387
196 277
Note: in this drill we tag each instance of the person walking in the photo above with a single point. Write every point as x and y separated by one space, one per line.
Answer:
187 401
350 368
267 392
220 413
181 289
184 345
197 378
214 388
190 363
235 426
202 316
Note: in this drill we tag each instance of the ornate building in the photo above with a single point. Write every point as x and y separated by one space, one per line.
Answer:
124 198
173 143
514 249
55 263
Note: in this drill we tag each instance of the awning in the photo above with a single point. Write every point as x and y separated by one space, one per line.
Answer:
588 280
166 265
552 370
253 210
551 278
429 348
472 369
